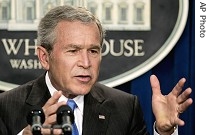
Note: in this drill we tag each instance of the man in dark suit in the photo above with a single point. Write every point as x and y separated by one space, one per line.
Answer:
70 42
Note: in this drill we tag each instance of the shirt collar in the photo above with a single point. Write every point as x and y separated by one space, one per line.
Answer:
79 99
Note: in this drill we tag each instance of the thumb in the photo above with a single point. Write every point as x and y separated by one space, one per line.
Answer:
155 85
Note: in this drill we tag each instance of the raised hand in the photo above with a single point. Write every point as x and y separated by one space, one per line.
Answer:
167 108
50 109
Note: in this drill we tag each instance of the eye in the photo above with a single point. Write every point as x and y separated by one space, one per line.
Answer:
94 51
73 51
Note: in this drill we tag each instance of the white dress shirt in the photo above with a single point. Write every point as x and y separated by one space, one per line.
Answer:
78 112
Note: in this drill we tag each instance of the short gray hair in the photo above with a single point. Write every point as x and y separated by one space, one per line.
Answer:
46 29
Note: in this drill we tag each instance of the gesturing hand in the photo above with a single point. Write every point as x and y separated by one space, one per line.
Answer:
167 108
50 109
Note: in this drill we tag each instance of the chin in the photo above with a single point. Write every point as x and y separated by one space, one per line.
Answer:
84 92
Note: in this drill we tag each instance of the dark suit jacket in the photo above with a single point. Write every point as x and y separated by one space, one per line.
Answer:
121 111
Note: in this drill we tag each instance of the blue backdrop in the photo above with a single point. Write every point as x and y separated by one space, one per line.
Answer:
180 62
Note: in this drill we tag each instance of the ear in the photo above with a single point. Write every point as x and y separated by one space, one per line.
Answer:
43 56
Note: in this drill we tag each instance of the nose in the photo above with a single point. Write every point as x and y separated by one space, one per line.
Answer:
84 60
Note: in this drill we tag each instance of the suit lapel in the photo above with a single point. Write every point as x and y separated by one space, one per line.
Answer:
39 92
96 113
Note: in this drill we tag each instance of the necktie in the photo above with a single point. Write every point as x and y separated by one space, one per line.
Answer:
73 105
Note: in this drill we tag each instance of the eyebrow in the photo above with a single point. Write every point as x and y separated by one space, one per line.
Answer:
80 46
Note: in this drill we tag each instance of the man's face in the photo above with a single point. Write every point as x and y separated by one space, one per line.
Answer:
75 59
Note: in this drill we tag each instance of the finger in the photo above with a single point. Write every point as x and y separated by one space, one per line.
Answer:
155 84
178 88
50 113
49 104
46 131
51 131
179 122
185 105
184 96
51 119
53 108
53 99
57 132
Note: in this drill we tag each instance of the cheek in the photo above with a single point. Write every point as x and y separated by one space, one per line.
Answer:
57 64
96 65
59 59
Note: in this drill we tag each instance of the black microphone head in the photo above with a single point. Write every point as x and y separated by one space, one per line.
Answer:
64 110
35 111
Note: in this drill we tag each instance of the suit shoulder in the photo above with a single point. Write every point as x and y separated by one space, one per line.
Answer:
23 89
111 92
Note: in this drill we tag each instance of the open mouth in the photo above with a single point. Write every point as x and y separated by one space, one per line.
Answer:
84 78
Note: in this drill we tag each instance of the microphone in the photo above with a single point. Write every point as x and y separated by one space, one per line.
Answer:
36 118
65 117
